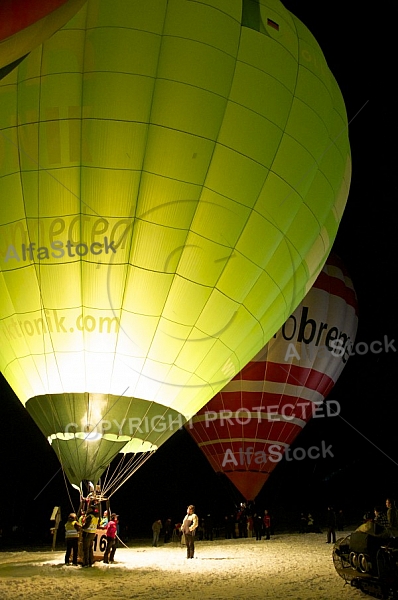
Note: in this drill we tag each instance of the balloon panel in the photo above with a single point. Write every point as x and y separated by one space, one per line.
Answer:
162 221
247 427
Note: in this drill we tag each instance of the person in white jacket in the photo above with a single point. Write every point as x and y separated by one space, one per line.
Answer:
188 528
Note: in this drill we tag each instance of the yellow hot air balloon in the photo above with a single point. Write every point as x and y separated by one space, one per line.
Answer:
172 177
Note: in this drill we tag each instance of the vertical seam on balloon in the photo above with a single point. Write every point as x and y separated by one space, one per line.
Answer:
284 238
133 217
215 142
54 413
235 245
57 441
24 208
80 173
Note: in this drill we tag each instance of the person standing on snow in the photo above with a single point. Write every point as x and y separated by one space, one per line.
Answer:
267 525
156 527
188 527
89 531
111 537
72 529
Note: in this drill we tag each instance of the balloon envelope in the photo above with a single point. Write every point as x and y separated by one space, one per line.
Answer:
173 175
246 428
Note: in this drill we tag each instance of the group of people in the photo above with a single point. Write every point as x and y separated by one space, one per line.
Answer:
260 525
186 530
157 528
242 524
384 519
308 524
84 530
248 523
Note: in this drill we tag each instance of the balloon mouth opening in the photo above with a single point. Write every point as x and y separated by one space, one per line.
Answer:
127 443
92 436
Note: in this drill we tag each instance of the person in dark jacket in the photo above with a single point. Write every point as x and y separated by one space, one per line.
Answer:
267 525
230 530
168 530
340 520
303 523
331 525
392 516
258 526
156 529
208 527
242 520
380 520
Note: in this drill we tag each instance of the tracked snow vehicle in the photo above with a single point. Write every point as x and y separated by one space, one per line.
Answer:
368 559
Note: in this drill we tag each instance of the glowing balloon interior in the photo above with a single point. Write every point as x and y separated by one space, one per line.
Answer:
247 427
172 177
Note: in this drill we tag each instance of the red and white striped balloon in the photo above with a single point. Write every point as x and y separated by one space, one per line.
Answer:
247 427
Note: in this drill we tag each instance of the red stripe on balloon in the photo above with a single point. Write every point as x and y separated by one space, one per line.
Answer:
336 287
286 374
233 407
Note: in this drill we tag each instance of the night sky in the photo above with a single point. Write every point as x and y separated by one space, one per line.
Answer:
364 467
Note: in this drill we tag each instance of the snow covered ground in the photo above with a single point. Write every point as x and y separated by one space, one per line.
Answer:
289 566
